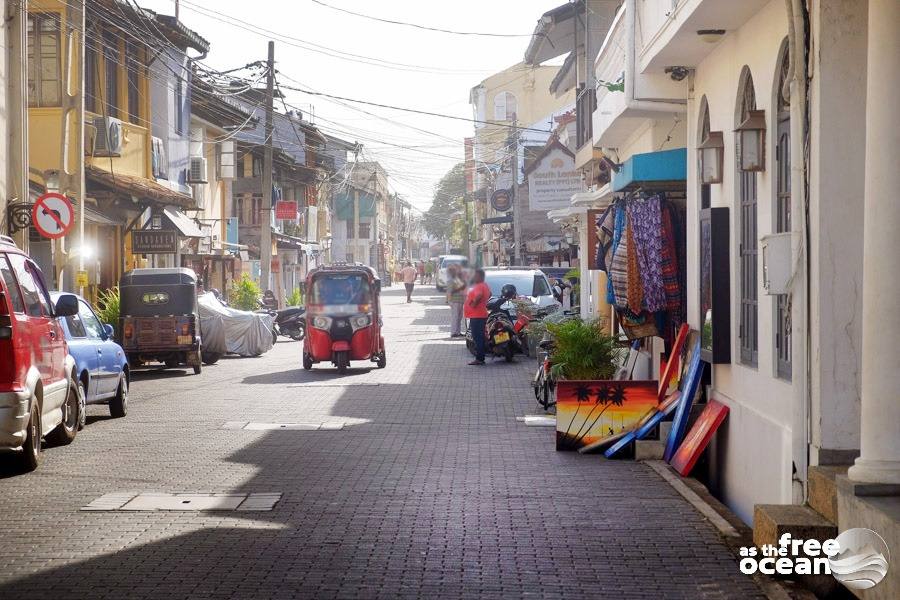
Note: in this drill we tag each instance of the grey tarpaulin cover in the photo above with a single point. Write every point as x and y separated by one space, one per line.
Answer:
225 329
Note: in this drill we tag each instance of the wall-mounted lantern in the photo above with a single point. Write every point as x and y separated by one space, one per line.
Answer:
752 140
711 154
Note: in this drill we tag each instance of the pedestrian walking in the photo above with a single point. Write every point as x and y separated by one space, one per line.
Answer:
456 297
409 279
429 271
476 311
420 267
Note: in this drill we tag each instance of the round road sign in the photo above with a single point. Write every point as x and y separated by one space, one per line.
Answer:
52 215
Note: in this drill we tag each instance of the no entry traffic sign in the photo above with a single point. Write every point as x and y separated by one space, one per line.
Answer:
52 215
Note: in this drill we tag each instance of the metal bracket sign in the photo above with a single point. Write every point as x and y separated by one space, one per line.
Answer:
52 215
154 241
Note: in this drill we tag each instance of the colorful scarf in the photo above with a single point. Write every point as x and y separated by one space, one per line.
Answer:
634 291
612 298
645 219
669 267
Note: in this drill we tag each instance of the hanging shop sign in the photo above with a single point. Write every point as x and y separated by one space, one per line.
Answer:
553 180
52 215
154 241
501 200
81 279
286 209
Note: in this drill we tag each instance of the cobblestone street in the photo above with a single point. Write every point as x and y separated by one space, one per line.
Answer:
431 488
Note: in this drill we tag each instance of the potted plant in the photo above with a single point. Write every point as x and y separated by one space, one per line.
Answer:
590 404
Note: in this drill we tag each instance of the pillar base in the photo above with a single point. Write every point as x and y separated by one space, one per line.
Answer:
875 471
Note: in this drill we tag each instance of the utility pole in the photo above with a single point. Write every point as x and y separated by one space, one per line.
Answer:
265 237
517 222
17 112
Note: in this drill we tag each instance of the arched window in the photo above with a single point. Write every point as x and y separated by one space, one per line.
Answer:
782 207
702 134
505 106
747 221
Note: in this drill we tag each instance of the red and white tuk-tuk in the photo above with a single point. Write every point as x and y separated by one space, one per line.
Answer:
343 316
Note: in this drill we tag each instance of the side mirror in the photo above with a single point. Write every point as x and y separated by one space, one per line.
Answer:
109 330
66 306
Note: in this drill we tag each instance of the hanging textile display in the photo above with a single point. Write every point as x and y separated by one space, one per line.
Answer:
640 245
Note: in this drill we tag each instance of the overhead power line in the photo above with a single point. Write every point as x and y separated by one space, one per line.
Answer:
413 110
418 26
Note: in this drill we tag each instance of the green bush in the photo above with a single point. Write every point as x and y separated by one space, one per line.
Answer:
245 294
108 306
583 351
295 299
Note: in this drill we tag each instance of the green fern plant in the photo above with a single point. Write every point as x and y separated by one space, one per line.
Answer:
295 299
108 304
245 294
583 351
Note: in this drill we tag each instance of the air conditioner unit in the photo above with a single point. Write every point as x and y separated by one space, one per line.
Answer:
109 139
158 159
197 172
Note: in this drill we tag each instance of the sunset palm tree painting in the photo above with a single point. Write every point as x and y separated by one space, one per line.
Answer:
590 411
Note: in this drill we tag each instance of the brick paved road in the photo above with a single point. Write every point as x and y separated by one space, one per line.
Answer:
432 489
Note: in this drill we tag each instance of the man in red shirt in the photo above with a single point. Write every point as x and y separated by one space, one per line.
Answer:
476 311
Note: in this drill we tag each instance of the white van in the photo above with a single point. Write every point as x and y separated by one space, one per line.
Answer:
440 281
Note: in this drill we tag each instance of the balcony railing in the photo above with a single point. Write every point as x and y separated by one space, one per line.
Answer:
584 110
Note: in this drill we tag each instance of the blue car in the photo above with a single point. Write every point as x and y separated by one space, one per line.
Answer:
101 364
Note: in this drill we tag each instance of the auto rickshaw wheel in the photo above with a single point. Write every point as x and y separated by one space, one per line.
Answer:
211 358
307 361
342 361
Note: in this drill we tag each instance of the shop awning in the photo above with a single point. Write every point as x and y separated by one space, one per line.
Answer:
183 223
652 170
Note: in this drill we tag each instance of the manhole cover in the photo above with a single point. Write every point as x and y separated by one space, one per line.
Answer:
154 501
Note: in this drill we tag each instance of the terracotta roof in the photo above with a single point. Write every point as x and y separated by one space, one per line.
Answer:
137 186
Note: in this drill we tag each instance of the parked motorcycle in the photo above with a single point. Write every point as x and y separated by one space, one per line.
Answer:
291 322
501 337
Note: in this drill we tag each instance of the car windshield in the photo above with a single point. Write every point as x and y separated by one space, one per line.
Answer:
340 289
454 261
527 284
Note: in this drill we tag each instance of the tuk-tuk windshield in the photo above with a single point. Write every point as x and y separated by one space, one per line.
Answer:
340 289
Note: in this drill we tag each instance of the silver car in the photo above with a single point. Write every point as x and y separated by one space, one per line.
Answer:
440 281
531 283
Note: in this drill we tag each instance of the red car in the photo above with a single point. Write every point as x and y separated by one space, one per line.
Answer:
37 395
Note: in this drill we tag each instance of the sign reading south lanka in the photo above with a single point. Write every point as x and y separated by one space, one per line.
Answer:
553 178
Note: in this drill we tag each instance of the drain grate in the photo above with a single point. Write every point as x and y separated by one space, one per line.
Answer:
251 426
155 501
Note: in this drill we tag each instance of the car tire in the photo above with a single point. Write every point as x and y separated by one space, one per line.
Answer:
274 336
211 358
307 362
82 410
118 404
30 456
66 431
198 368
382 360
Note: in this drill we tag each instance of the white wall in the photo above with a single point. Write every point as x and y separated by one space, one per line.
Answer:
837 171
753 450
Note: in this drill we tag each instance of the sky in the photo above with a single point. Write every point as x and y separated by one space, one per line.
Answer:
416 150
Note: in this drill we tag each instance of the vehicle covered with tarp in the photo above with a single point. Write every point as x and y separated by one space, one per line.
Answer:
228 330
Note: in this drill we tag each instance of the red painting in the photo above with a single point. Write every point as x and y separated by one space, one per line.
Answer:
698 437
590 411
672 365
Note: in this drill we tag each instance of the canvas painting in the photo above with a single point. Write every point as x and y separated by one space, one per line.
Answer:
690 384
698 437
590 411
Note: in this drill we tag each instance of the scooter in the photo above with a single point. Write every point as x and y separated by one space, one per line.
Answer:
291 322
501 337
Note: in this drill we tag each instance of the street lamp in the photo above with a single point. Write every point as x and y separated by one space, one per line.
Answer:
711 156
752 136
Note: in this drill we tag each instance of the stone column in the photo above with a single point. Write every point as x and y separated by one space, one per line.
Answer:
879 460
